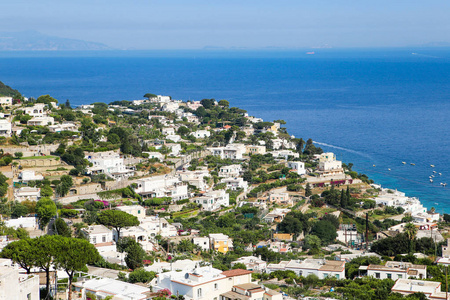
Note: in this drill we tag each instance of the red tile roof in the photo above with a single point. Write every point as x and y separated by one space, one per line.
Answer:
236 272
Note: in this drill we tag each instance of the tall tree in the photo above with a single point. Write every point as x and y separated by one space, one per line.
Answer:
73 254
411 231
308 191
45 209
61 228
21 252
135 256
343 199
117 219
46 247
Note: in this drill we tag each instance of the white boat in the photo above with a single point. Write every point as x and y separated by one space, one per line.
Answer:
374 165
431 180
403 162
412 164
389 169
445 184
432 166
440 174
434 171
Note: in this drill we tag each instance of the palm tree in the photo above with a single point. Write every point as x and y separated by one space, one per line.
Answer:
411 231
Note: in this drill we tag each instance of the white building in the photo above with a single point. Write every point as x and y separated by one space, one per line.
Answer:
174 148
15 286
256 149
232 151
138 233
202 282
109 163
252 263
201 134
173 137
230 171
6 101
27 193
157 155
213 200
194 105
105 287
297 167
170 107
235 183
41 121
396 198
37 110
251 291
202 242
101 237
65 126
162 186
280 198
5 128
29 223
168 130
320 267
411 286
196 178
28 175
178 265
328 164
395 270
154 226
134 210
284 154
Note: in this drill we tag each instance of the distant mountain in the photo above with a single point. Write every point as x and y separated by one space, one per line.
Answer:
7 91
35 41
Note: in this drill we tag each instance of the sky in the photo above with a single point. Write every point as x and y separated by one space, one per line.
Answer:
196 24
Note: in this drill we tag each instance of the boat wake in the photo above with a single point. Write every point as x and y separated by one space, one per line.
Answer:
344 149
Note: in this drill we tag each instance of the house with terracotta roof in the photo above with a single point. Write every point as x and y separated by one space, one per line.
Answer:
250 291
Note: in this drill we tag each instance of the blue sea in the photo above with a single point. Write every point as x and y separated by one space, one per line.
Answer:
375 108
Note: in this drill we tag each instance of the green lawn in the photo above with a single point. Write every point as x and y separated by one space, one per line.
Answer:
40 157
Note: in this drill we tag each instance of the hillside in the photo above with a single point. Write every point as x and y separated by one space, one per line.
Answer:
6 90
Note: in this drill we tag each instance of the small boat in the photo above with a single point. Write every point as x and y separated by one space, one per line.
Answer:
434 171
389 169
440 174
431 180
413 164
403 162
374 165
432 166
430 177
445 184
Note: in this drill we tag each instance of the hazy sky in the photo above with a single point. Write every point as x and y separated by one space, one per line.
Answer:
186 24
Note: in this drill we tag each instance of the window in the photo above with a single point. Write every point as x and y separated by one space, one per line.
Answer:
29 296
377 275
337 276
325 275
104 239
399 276
389 276
216 286
94 239
199 293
